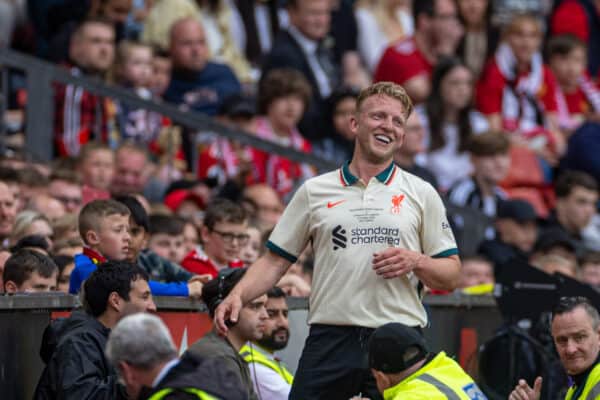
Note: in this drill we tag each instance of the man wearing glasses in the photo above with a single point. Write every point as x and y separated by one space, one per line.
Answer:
223 235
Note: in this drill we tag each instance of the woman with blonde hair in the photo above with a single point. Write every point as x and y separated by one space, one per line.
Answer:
30 223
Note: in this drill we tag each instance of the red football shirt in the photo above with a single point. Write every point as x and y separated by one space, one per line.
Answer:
402 61
198 263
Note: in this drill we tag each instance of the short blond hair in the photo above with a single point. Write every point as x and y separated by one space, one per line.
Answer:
389 89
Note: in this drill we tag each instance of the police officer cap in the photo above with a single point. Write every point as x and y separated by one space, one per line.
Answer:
395 347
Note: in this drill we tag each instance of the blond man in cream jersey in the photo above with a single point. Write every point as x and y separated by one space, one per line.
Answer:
379 235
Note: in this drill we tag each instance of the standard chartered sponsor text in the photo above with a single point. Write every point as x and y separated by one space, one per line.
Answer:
383 235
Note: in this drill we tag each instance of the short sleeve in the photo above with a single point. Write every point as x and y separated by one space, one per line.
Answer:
437 239
290 235
399 63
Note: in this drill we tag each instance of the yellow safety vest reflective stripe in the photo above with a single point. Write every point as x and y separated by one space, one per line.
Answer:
250 355
591 389
439 379
161 394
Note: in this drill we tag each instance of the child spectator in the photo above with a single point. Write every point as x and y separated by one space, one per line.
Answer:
476 271
223 234
186 204
590 269
29 271
65 265
157 267
133 69
517 92
252 250
191 237
577 96
450 122
283 97
166 237
491 161
104 228
161 72
96 165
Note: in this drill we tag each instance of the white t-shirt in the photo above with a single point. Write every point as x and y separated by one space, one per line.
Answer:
347 221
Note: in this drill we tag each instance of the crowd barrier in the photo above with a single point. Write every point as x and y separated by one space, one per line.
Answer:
458 325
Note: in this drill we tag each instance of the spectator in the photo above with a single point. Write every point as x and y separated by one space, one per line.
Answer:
32 183
224 234
517 92
575 324
29 271
580 18
516 232
104 228
476 270
554 242
4 255
250 326
32 242
264 205
133 70
96 166
142 351
8 212
48 206
284 95
590 270
132 170
450 122
67 247
410 61
553 263
73 348
481 35
91 52
578 97
198 84
66 228
270 377
186 204
491 161
30 223
191 237
412 146
252 250
302 47
162 16
161 72
338 145
576 197
380 23
65 265
166 237
403 367
65 187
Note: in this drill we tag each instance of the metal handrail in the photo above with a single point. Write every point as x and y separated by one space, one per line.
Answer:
39 114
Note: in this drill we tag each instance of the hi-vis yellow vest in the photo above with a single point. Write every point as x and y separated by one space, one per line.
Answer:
440 379
161 394
251 354
591 388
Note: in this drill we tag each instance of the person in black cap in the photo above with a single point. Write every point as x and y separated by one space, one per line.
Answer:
555 242
516 232
404 369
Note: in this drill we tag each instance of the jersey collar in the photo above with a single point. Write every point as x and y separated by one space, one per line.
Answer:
386 176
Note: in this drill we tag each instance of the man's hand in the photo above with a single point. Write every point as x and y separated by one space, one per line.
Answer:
394 262
524 392
201 278
195 289
228 310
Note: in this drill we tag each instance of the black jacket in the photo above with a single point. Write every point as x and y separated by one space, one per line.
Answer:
76 367
193 371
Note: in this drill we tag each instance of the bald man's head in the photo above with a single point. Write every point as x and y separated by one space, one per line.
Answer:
188 45
267 204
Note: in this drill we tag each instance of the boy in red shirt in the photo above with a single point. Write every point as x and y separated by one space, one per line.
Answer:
224 234
577 96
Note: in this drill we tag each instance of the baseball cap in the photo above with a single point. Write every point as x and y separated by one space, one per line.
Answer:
174 199
395 347
516 209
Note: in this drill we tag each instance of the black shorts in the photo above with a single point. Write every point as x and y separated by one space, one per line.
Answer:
334 365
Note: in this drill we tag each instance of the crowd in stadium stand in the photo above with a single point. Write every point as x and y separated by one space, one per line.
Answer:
506 127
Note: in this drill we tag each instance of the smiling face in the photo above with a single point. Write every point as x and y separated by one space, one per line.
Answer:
379 128
577 341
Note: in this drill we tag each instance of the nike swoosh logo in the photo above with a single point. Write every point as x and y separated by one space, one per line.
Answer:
332 204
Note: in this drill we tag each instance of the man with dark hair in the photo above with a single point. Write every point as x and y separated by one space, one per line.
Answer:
404 368
272 381
29 271
491 161
576 198
576 333
224 234
73 349
249 327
